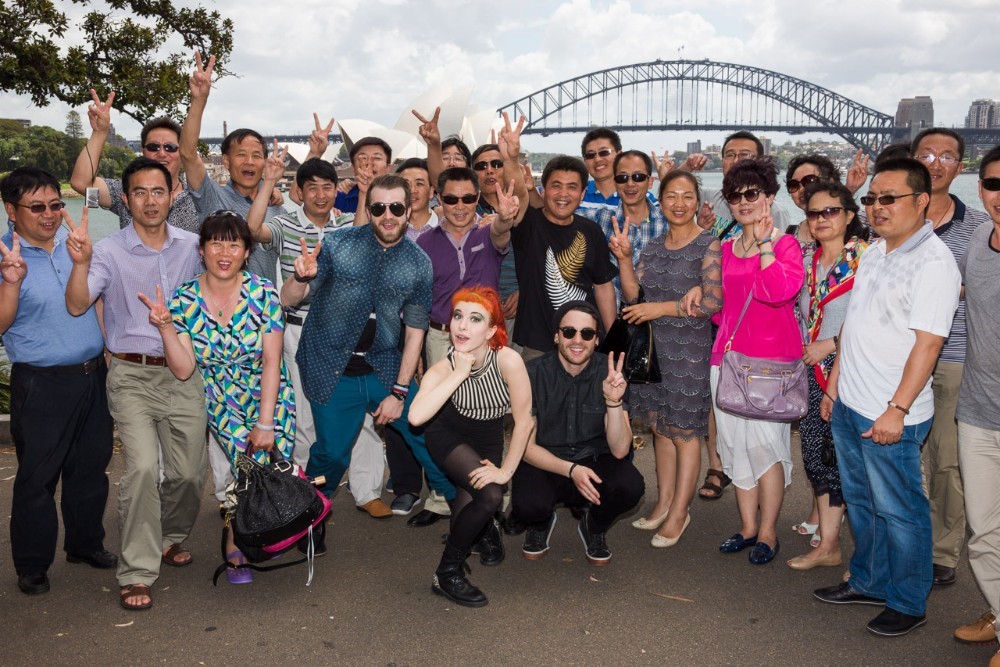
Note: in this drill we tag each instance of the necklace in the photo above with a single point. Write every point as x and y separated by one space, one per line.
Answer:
743 245
944 216
209 300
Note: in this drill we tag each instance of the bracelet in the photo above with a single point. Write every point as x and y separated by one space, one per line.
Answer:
403 389
830 397
763 241
571 468
764 253
300 279
899 407
264 427
836 341
613 405
395 393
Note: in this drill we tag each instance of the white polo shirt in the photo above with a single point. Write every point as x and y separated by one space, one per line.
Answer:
914 287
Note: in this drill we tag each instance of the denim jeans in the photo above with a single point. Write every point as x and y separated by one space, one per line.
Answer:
890 515
339 421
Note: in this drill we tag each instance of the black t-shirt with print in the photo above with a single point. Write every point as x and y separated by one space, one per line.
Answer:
555 264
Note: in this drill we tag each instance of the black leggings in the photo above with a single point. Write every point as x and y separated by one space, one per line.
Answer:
472 508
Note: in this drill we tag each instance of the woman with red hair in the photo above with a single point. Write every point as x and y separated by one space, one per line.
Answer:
463 399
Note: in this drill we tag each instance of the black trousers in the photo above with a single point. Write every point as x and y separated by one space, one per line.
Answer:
536 492
404 469
61 429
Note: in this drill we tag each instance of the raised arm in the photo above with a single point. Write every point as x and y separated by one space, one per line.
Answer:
200 85
85 170
306 266
616 421
177 350
274 167
13 270
509 143
621 247
81 250
437 386
431 134
508 209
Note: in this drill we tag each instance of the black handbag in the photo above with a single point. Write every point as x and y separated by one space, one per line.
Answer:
637 343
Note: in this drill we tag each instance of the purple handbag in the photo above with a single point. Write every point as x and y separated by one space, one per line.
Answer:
765 389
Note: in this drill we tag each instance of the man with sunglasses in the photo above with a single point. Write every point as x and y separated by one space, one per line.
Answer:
578 453
879 397
60 423
160 141
369 288
979 406
941 150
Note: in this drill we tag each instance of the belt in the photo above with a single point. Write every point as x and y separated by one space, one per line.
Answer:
294 319
85 368
439 327
144 359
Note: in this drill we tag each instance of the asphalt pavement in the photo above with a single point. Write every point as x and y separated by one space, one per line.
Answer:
371 604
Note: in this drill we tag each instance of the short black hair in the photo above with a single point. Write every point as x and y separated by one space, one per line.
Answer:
460 145
827 169
226 226
992 156
939 130
743 134
391 182
893 151
565 163
144 164
646 160
672 176
759 172
163 122
485 148
837 189
238 136
457 174
315 168
412 163
371 141
601 133
25 180
918 178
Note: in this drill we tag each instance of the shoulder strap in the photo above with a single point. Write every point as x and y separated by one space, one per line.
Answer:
729 343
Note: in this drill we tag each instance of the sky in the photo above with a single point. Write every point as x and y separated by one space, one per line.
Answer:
370 58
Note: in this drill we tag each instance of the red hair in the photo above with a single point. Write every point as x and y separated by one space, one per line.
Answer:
488 298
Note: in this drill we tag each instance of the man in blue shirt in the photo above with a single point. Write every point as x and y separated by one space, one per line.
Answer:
57 360
370 287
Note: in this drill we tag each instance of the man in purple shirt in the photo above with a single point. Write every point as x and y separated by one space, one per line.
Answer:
148 403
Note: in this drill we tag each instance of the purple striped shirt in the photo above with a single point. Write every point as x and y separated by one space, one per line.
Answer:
122 267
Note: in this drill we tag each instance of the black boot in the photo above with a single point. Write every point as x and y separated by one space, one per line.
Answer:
450 581
490 545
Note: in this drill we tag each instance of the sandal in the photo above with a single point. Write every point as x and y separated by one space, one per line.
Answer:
238 573
815 540
714 490
132 591
806 529
172 556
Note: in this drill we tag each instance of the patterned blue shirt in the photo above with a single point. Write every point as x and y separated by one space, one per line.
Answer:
639 235
594 201
357 276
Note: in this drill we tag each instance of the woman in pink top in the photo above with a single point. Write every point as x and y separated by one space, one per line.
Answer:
767 264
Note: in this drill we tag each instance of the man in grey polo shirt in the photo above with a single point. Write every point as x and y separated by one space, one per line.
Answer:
146 400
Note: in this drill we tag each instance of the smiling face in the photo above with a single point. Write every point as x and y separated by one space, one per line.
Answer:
389 228
489 177
245 163
991 199
828 229
747 212
318 197
38 229
373 158
632 193
897 221
575 352
224 258
562 195
172 161
148 198
459 216
600 166
939 145
470 327
679 202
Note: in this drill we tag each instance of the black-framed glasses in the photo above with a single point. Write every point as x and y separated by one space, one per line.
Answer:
604 152
483 165
569 333
377 210
828 213
945 160
168 147
991 184
451 200
886 200
751 195
637 177
38 209
793 185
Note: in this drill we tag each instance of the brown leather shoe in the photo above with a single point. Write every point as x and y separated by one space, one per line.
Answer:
979 632
376 509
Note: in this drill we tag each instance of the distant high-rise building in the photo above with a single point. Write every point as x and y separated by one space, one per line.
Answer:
694 147
767 145
983 114
916 113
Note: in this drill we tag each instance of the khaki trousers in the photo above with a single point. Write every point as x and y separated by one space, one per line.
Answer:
979 455
944 481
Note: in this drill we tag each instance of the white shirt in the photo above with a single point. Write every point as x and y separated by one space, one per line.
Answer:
914 287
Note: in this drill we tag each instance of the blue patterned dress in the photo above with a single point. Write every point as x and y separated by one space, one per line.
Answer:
230 358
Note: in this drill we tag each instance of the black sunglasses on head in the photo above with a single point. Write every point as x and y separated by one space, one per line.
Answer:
484 165
637 177
154 147
569 333
377 210
451 200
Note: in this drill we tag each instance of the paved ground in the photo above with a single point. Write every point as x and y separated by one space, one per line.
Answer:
370 604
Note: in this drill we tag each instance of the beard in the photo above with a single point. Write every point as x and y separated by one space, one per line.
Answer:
389 238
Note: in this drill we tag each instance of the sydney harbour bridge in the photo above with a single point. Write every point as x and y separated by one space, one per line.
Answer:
703 95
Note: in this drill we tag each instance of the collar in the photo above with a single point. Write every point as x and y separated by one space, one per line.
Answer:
958 216
912 243
236 192
8 238
133 241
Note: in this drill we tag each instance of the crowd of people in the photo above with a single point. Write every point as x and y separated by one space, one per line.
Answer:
457 307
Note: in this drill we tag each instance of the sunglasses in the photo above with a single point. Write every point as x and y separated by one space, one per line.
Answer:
377 209
569 333
794 186
604 152
484 165
886 200
828 213
37 209
637 177
750 195
451 200
153 147
991 184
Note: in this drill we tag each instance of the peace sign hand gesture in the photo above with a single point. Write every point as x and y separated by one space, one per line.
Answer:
306 264
858 173
764 225
614 385
274 168
663 166
508 204
429 131
319 139
619 243
12 266
99 112
509 140
78 242
200 83
159 314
